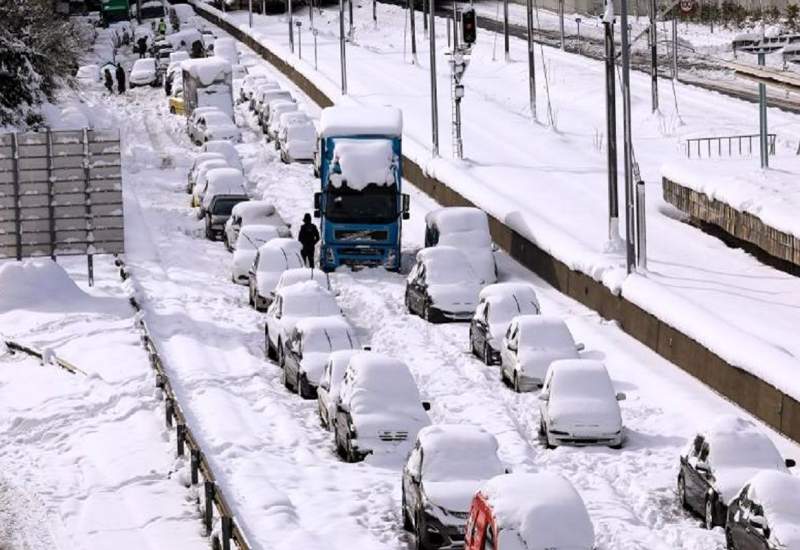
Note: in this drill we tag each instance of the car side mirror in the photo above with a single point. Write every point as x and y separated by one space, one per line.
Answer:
758 522
406 216
509 470
580 346
512 346
790 463
703 467
621 396
544 396
426 405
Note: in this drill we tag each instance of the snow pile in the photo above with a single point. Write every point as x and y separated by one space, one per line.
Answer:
207 70
543 509
43 285
363 162
361 121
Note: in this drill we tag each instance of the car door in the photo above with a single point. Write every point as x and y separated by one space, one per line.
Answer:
293 354
697 483
738 515
413 288
511 348
323 392
756 537
411 480
476 327
273 320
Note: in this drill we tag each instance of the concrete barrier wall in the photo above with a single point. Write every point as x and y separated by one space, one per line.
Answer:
780 411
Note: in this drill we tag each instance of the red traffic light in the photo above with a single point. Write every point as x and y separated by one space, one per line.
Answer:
469 26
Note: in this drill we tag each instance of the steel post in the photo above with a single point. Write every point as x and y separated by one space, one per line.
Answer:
351 30
506 43
208 515
578 23
342 52
561 22
413 14
250 13
375 12
653 33
531 60
630 217
17 195
611 133
426 5
675 46
641 227
762 118
291 27
299 40
314 32
434 102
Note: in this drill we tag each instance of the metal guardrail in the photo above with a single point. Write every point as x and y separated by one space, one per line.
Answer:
701 144
212 496
22 348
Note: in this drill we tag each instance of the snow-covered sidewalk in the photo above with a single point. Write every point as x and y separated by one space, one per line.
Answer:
549 183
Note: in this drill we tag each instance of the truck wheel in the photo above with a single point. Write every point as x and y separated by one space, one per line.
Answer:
682 492
708 516
285 379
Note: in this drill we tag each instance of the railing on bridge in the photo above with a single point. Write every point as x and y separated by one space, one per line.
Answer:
730 145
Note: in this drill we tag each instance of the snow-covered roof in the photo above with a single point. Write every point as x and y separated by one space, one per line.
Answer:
226 149
308 299
361 121
458 452
225 178
583 378
254 235
737 442
382 385
253 209
148 64
543 330
455 219
207 69
362 162
511 289
544 509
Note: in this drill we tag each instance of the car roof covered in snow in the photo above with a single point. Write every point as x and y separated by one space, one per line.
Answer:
253 209
737 441
455 219
513 290
382 383
361 121
442 254
295 117
146 64
225 177
303 288
458 452
226 149
543 508
207 155
362 162
779 494
326 334
259 231
543 329
300 274
207 69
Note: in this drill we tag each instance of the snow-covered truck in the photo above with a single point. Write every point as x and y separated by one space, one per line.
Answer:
207 82
360 204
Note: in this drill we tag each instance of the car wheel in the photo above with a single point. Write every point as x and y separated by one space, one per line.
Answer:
682 492
226 242
285 379
270 350
322 421
250 298
708 516
729 544
209 231
281 356
426 311
172 110
517 387
408 304
407 525
304 388
487 355
543 435
340 450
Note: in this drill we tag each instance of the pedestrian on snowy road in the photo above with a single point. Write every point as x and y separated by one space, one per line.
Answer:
109 81
162 27
120 79
308 237
142 42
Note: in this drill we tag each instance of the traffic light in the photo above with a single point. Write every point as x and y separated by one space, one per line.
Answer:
469 26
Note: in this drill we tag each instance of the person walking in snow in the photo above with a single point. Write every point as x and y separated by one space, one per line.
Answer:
142 42
120 79
109 81
162 27
308 237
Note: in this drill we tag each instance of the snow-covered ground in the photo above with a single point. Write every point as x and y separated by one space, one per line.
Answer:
277 466
549 181
85 460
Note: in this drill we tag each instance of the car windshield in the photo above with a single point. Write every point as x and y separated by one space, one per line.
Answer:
219 119
251 240
503 310
375 204
744 450
223 207
326 340
312 305
446 271
303 132
455 462
546 336
582 383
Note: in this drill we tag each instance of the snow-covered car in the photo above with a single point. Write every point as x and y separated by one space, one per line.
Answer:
379 410
719 461
224 190
498 304
175 102
249 84
253 212
262 91
250 239
276 109
272 259
330 382
578 405
297 137
208 38
442 285
194 117
540 511
307 348
89 77
302 274
265 98
143 73
180 15
291 304
766 514
215 125
226 49
162 58
201 180
199 159
466 228
226 149
531 343
447 466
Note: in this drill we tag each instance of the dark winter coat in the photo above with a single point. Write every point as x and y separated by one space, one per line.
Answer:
109 80
142 42
309 236
120 79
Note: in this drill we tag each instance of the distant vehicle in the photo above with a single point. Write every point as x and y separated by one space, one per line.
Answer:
184 40
301 274
766 513
307 348
191 177
114 10
578 405
272 259
201 181
162 58
260 90
442 285
153 9
89 77
297 137
253 212
531 343
249 84
498 304
214 125
143 73
276 109
360 202
180 15
225 48
226 149
718 463
208 82
291 304
250 239
379 410
265 99
540 511
329 384
176 106
465 228
447 466
224 190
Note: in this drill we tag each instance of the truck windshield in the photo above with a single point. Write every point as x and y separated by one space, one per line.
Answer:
375 204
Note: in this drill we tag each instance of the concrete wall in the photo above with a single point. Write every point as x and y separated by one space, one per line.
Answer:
780 411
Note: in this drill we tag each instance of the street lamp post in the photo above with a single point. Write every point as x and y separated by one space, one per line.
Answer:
434 102
342 52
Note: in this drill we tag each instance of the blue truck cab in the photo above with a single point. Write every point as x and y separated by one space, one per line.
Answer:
360 204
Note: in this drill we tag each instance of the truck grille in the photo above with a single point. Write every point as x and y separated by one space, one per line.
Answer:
361 251
360 235
393 436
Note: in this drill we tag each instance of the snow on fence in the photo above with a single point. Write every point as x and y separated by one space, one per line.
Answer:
45 356
227 530
60 194
776 403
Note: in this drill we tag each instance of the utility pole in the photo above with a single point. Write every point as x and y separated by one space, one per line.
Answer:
653 34
561 22
434 101
762 117
299 39
630 217
675 46
351 30
342 52
250 12
412 12
578 23
611 124
426 5
531 61
291 27
506 44
375 12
